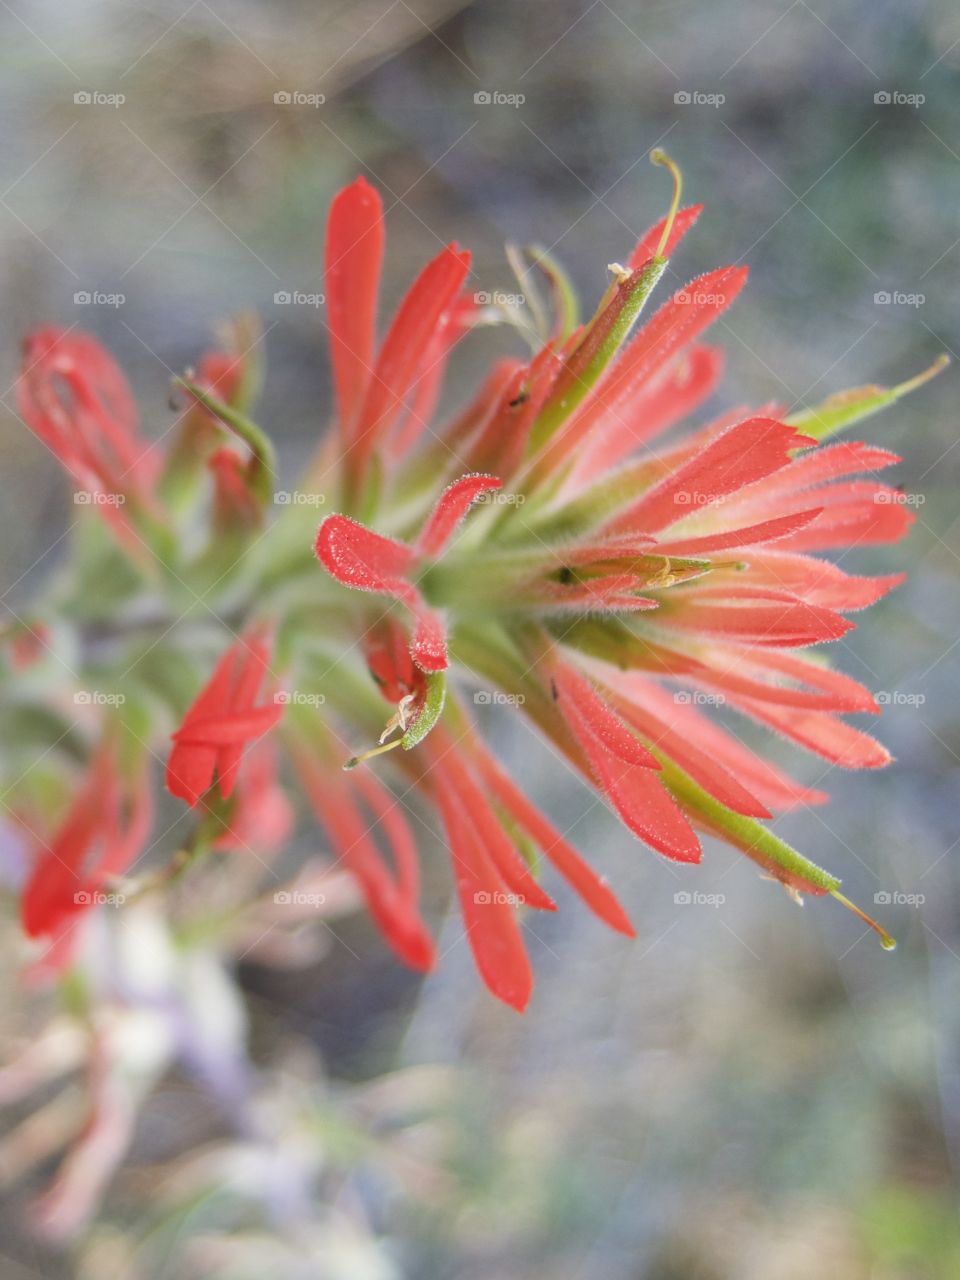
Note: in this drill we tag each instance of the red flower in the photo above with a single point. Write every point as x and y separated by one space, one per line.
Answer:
261 818
357 557
616 592
103 832
383 396
75 398
223 718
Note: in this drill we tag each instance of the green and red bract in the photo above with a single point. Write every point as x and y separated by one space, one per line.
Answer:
550 547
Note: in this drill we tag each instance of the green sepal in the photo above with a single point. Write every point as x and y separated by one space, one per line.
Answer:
430 712
248 431
602 339
844 408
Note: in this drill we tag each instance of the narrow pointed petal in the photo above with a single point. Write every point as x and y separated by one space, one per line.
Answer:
649 243
739 456
577 697
451 509
491 925
420 314
579 874
358 557
354 253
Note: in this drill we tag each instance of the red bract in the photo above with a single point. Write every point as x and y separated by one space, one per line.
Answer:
103 832
613 593
74 398
614 587
373 385
357 557
221 721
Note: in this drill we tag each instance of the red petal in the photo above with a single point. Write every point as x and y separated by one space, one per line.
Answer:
577 698
452 506
665 401
230 728
649 243
765 531
739 456
580 875
354 254
819 732
666 725
402 355
476 811
765 618
491 924
358 557
636 794
678 323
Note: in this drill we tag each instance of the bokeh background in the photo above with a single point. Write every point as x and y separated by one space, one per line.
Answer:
749 1091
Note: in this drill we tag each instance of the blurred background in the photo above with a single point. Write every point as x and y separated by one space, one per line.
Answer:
749 1091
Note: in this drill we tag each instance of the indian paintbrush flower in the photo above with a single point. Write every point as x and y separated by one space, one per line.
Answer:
550 542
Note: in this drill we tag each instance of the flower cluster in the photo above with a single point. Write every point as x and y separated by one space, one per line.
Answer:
555 542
